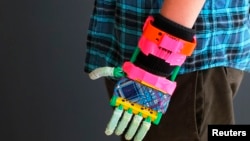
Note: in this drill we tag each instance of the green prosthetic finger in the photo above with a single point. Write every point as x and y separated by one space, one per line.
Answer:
101 72
124 122
106 72
133 127
143 130
114 120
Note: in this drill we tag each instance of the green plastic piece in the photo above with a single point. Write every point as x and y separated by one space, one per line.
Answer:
113 100
157 120
130 111
136 52
120 107
118 72
148 119
175 73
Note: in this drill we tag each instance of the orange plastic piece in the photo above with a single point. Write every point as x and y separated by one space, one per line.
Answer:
157 36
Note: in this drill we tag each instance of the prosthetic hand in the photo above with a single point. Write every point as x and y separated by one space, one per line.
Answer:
146 82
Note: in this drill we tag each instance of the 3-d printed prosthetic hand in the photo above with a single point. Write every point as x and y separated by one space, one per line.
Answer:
146 82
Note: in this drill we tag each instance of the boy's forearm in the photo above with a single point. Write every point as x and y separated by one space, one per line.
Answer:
183 12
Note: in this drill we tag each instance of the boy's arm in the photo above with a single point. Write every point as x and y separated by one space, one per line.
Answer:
183 12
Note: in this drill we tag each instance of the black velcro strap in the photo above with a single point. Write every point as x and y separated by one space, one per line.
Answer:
154 65
173 28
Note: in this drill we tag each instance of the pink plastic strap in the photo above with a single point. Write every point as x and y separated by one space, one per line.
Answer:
148 47
161 83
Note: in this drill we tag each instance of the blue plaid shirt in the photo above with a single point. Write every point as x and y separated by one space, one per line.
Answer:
222 31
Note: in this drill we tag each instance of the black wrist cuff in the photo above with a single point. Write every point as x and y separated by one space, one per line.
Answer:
173 28
153 65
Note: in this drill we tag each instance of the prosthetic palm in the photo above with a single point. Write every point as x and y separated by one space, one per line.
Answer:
146 82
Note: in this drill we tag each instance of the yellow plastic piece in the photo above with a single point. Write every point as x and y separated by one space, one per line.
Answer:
136 108
151 86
